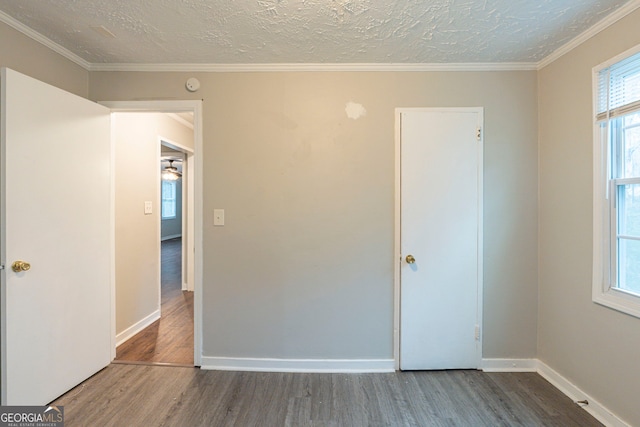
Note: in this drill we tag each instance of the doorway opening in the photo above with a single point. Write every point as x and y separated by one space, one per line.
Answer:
157 302
169 339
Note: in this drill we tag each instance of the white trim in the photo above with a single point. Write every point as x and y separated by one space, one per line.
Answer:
137 327
602 276
186 227
112 238
172 236
616 300
175 145
194 106
154 106
595 408
397 248
298 365
592 31
180 120
480 265
509 365
397 252
620 57
158 240
311 67
198 229
47 42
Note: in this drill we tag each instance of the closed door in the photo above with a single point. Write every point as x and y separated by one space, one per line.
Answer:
56 219
440 238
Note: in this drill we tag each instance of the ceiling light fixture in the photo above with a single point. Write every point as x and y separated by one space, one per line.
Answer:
171 173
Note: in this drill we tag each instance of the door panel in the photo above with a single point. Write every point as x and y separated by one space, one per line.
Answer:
440 199
56 215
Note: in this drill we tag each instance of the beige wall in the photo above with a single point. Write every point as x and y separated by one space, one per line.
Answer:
137 179
595 347
29 57
303 267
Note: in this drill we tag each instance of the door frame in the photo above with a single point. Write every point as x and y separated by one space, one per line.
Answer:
397 249
195 107
187 188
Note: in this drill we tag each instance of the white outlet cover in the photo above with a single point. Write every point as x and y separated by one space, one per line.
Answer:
218 217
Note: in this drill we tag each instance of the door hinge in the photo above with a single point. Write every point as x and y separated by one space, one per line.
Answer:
479 133
1 267
477 333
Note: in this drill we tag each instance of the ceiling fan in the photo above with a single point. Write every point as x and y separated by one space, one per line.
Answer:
171 173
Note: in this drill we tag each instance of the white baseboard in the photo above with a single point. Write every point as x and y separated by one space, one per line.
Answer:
137 327
509 365
298 365
595 408
172 236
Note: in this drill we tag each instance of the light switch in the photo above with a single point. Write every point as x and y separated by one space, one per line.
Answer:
218 217
148 208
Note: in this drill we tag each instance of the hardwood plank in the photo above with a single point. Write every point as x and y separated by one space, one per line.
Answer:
136 395
169 339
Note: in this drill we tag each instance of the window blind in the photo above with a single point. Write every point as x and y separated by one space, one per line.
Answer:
619 89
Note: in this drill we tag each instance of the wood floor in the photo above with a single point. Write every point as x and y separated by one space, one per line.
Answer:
136 395
139 395
169 339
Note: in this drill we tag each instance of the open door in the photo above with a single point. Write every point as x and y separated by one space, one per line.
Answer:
56 217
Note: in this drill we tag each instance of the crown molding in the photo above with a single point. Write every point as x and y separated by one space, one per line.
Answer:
306 67
17 25
180 120
601 25
592 31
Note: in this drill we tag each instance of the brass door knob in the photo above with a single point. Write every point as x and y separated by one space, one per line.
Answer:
410 259
19 266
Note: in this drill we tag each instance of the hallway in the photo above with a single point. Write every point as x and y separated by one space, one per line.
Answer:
168 340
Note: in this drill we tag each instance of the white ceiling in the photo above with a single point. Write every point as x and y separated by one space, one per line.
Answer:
309 31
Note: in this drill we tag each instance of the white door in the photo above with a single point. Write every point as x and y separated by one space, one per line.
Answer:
440 227
56 216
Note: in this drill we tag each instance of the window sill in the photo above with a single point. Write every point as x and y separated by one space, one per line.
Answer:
619 301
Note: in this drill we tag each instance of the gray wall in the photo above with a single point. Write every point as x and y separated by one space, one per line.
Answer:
137 236
137 259
305 189
304 266
597 348
29 57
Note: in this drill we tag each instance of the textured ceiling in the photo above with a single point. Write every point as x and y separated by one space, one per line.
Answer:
309 31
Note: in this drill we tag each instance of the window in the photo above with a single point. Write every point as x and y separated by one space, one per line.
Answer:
616 246
168 199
